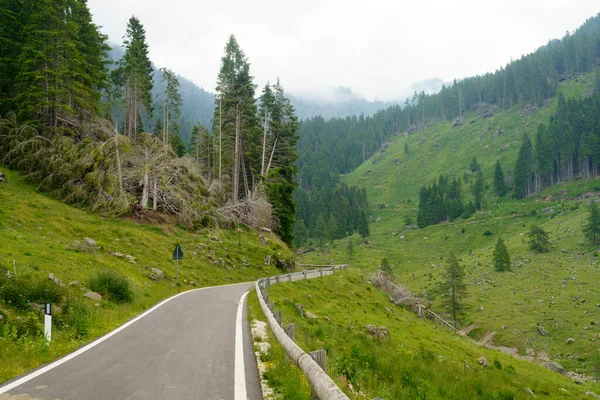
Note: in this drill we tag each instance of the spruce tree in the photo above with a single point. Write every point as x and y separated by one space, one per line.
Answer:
478 190
592 224
538 239
137 70
523 167
363 225
453 287
500 187
350 248
386 268
171 108
501 258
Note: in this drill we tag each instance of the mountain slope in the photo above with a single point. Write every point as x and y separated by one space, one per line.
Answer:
36 232
557 290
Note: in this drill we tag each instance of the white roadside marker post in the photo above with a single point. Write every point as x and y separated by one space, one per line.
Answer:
48 323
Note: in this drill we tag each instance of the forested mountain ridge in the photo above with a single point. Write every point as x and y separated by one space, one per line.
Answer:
339 145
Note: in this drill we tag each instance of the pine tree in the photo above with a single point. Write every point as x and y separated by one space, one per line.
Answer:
406 150
592 225
363 225
478 190
454 288
500 187
61 62
386 268
523 168
350 248
137 70
320 231
538 239
235 121
501 257
475 165
171 108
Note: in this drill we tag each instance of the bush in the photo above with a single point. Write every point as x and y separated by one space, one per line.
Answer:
487 233
15 293
46 291
112 285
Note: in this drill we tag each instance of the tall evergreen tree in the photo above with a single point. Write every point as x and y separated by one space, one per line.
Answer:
500 187
171 107
538 239
592 224
363 225
501 258
523 167
478 190
235 121
453 287
137 77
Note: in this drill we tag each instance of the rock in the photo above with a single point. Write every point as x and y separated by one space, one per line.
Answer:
570 340
93 296
542 331
267 260
2 178
90 242
75 283
88 245
380 332
117 254
282 265
266 229
300 308
310 315
556 367
54 278
130 258
530 352
38 307
528 390
483 361
156 274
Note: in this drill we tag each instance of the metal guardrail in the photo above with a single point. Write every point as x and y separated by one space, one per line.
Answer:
324 387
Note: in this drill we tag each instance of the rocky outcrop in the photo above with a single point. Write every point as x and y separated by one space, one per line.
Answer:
380 332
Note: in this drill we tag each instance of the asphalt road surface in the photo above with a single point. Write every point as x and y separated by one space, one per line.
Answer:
183 349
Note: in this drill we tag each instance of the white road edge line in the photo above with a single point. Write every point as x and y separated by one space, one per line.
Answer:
240 371
95 343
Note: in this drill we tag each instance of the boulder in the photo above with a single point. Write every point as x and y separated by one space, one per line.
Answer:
570 340
54 278
156 274
542 331
93 296
267 260
380 332
119 255
75 283
130 258
556 367
483 361
87 245
282 265
310 315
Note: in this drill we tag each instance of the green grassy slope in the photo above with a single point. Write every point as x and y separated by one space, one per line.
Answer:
558 290
35 231
418 360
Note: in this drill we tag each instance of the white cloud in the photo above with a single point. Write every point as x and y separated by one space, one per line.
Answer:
378 48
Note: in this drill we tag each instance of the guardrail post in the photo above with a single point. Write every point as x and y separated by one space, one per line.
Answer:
320 356
289 330
304 273
277 279
290 277
321 272
277 315
332 270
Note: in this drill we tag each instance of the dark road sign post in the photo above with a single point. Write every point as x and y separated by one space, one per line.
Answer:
177 255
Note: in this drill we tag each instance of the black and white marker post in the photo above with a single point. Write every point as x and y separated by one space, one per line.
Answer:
177 255
48 322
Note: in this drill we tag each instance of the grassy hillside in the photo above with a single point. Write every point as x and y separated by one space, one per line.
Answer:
558 290
418 360
35 232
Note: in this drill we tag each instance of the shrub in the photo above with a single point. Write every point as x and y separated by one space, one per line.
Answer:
46 291
487 233
15 293
112 285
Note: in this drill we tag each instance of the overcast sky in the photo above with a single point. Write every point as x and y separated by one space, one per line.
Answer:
377 48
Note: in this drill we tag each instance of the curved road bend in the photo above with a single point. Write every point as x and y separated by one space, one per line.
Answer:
184 349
